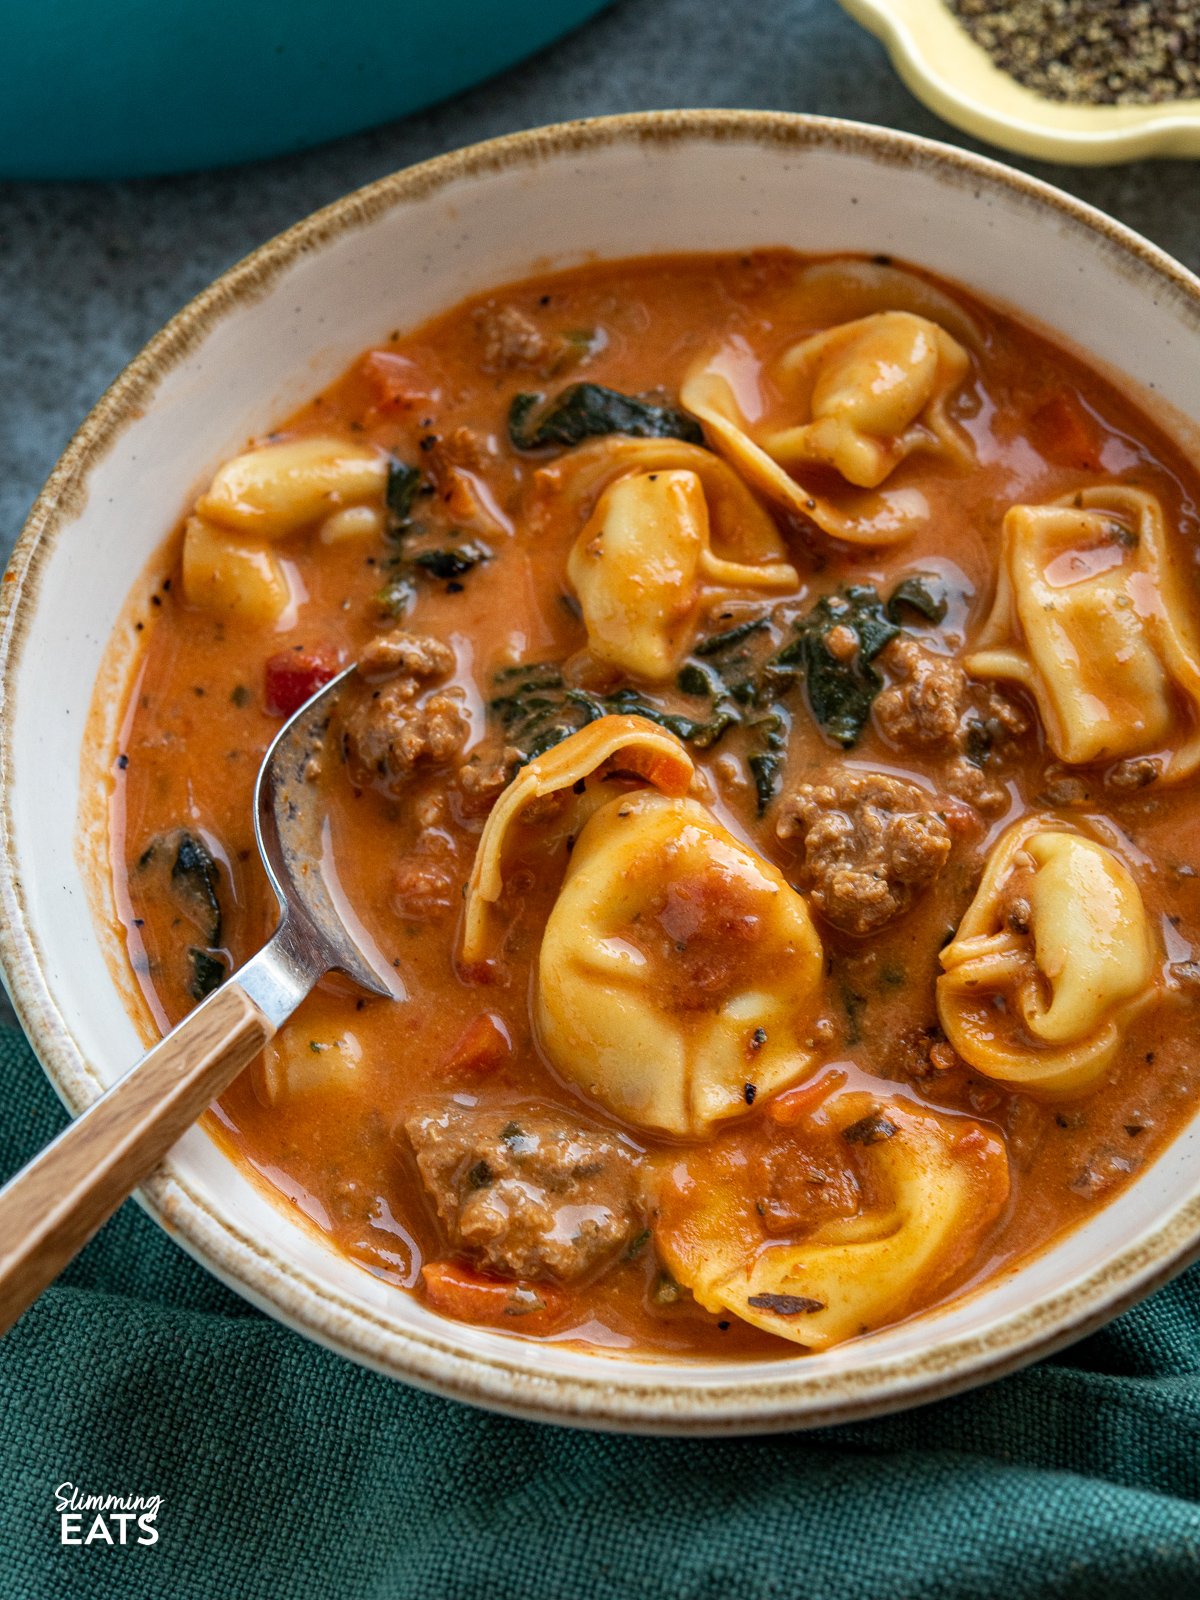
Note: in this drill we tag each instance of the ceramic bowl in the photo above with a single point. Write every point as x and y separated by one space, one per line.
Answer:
944 67
267 335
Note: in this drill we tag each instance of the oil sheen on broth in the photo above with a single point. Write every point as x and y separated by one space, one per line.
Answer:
768 772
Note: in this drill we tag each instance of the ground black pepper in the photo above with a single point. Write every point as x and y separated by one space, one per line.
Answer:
1098 52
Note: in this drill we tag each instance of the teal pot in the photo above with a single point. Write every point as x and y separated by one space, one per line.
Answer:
128 88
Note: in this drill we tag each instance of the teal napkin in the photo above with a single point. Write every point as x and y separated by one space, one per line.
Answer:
287 1472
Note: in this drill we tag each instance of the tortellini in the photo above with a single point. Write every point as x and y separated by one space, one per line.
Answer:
303 1058
1051 962
667 520
278 489
679 974
636 746
262 496
234 577
853 400
905 1196
1092 615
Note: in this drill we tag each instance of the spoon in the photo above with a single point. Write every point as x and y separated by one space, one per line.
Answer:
54 1205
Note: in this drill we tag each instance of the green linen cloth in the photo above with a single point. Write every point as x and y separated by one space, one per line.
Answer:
286 1471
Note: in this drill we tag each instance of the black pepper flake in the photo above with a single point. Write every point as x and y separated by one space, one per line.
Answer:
156 600
786 1305
427 441
874 1128
122 761
758 1038
454 587
479 1176
749 1091
724 1325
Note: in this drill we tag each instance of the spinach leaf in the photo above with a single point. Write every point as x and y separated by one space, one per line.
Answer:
396 597
453 560
922 592
194 883
538 709
588 411
720 643
766 762
403 483
208 973
841 688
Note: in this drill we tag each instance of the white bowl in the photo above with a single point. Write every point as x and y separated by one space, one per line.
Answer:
267 335
954 76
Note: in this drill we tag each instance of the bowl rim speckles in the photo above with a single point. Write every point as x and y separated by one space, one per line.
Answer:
272 1267
956 78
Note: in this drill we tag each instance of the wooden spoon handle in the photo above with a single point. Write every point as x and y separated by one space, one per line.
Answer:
53 1206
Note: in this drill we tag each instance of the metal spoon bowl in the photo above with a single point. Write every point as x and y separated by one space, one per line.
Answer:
50 1209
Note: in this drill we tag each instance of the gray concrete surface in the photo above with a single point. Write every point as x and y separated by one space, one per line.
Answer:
89 272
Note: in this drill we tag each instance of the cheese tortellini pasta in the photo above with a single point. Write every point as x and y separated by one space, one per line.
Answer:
261 497
852 402
1052 960
822 1233
634 745
665 522
235 577
313 1053
1092 615
679 973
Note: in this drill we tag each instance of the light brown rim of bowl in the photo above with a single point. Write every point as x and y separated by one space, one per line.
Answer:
726 1404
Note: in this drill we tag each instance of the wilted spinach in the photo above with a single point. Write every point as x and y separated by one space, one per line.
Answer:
403 484
208 973
179 867
841 687
922 592
194 885
451 561
589 411
538 709
745 673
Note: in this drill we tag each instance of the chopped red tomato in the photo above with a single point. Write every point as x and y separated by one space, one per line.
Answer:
395 380
482 1047
460 1291
1066 433
294 676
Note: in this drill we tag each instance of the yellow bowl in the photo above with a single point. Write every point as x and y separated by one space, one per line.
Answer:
945 68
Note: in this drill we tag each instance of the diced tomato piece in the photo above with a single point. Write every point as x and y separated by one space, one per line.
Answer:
484 1044
294 676
1067 434
793 1105
460 1291
395 380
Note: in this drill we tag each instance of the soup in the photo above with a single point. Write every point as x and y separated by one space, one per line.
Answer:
768 772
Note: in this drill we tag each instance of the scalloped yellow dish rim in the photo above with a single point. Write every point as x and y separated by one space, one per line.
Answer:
952 75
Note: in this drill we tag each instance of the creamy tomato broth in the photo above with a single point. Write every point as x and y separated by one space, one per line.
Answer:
769 774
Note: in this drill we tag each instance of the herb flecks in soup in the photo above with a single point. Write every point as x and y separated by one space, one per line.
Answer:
768 769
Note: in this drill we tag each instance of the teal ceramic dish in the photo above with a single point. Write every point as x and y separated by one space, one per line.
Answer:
130 88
